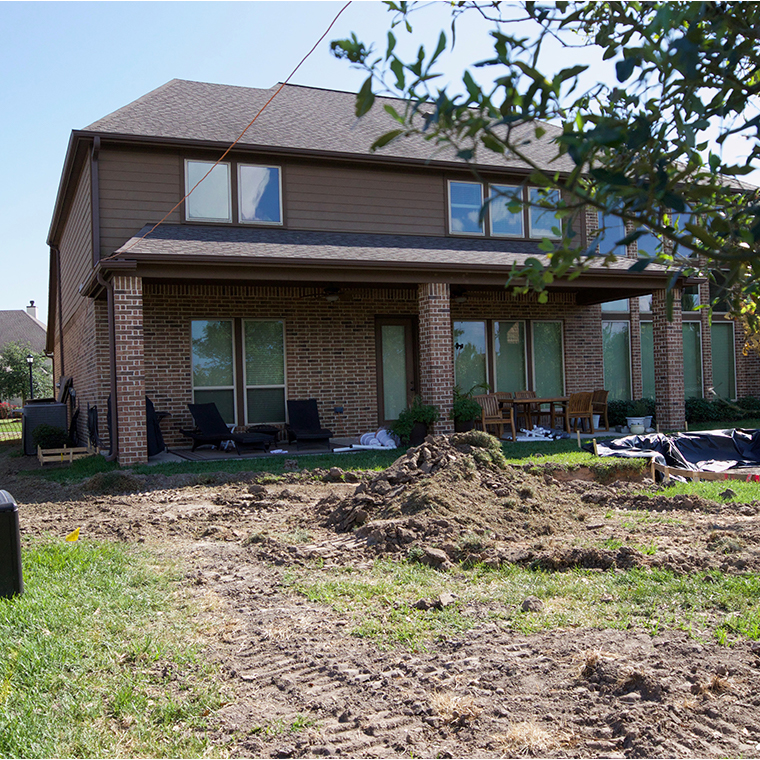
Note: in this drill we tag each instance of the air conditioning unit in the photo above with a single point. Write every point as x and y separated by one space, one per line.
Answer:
38 413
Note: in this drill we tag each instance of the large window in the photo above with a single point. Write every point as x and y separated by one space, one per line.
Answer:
611 232
259 194
210 200
213 365
510 356
647 359
506 218
723 359
544 221
470 358
264 347
548 361
692 359
616 345
465 204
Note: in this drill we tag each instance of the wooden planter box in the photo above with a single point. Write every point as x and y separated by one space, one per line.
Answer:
66 454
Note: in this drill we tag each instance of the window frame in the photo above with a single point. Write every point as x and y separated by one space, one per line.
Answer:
489 186
283 385
698 322
531 209
240 166
233 387
527 353
626 322
188 187
561 324
452 231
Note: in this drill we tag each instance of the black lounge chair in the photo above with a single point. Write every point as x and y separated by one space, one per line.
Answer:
212 430
304 425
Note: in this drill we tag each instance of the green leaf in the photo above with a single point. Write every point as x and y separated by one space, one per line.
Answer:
365 98
386 138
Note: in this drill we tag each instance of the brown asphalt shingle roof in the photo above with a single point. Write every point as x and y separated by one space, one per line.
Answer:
299 118
259 245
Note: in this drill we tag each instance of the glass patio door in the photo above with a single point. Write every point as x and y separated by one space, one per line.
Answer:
396 366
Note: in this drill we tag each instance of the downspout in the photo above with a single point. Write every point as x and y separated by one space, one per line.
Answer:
60 305
108 285
95 200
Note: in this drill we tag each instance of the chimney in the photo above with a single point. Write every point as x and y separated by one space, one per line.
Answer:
31 310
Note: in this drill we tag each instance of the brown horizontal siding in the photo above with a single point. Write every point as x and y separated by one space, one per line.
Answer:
136 187
364 200
76 246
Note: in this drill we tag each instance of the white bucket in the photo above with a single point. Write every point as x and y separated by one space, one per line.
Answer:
597 421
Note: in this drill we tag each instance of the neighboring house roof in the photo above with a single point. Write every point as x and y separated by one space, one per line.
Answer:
19 327
303 119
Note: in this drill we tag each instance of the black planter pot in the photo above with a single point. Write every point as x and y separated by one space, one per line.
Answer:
417 436
463 426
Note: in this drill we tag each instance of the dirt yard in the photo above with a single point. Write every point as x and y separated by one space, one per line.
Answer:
484 692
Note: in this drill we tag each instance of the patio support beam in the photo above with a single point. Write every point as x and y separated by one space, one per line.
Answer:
668 361
130 369
436 350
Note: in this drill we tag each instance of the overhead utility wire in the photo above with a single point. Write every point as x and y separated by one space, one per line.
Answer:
240 136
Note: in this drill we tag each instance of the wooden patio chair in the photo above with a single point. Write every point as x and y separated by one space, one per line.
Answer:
494 416
579 408
599 405
531 414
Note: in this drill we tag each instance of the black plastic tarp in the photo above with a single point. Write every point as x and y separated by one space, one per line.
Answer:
715 451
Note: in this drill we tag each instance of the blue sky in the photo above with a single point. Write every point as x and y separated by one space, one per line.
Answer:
67 64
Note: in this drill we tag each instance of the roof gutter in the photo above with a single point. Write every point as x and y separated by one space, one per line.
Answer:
114 432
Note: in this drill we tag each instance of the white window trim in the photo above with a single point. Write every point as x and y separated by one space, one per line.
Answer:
240 166
559 322
233 387
531 207
218 220
521 235
630 351
452 231
526 357
284 384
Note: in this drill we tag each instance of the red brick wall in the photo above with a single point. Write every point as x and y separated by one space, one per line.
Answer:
329 347
130 369
436 351
668 361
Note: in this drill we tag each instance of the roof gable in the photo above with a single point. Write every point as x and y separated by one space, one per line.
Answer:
19 327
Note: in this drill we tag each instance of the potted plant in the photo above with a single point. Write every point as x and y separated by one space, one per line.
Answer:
637 422
413 422
465 411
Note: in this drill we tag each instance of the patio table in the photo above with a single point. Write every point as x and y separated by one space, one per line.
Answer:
556 403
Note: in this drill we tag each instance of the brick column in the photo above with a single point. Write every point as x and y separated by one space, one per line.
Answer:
436 351
130 369
668 361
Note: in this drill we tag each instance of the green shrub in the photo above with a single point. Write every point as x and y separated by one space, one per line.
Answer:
618 410
49 437
417 412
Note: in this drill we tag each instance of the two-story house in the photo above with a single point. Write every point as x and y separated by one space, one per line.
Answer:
306 266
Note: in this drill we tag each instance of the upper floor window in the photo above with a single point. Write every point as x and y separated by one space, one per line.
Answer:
210 200
465 205
506 219
508 211
259 194
611 232
543 219
258 189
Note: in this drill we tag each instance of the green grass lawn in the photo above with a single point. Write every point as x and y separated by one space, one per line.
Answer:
100 657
